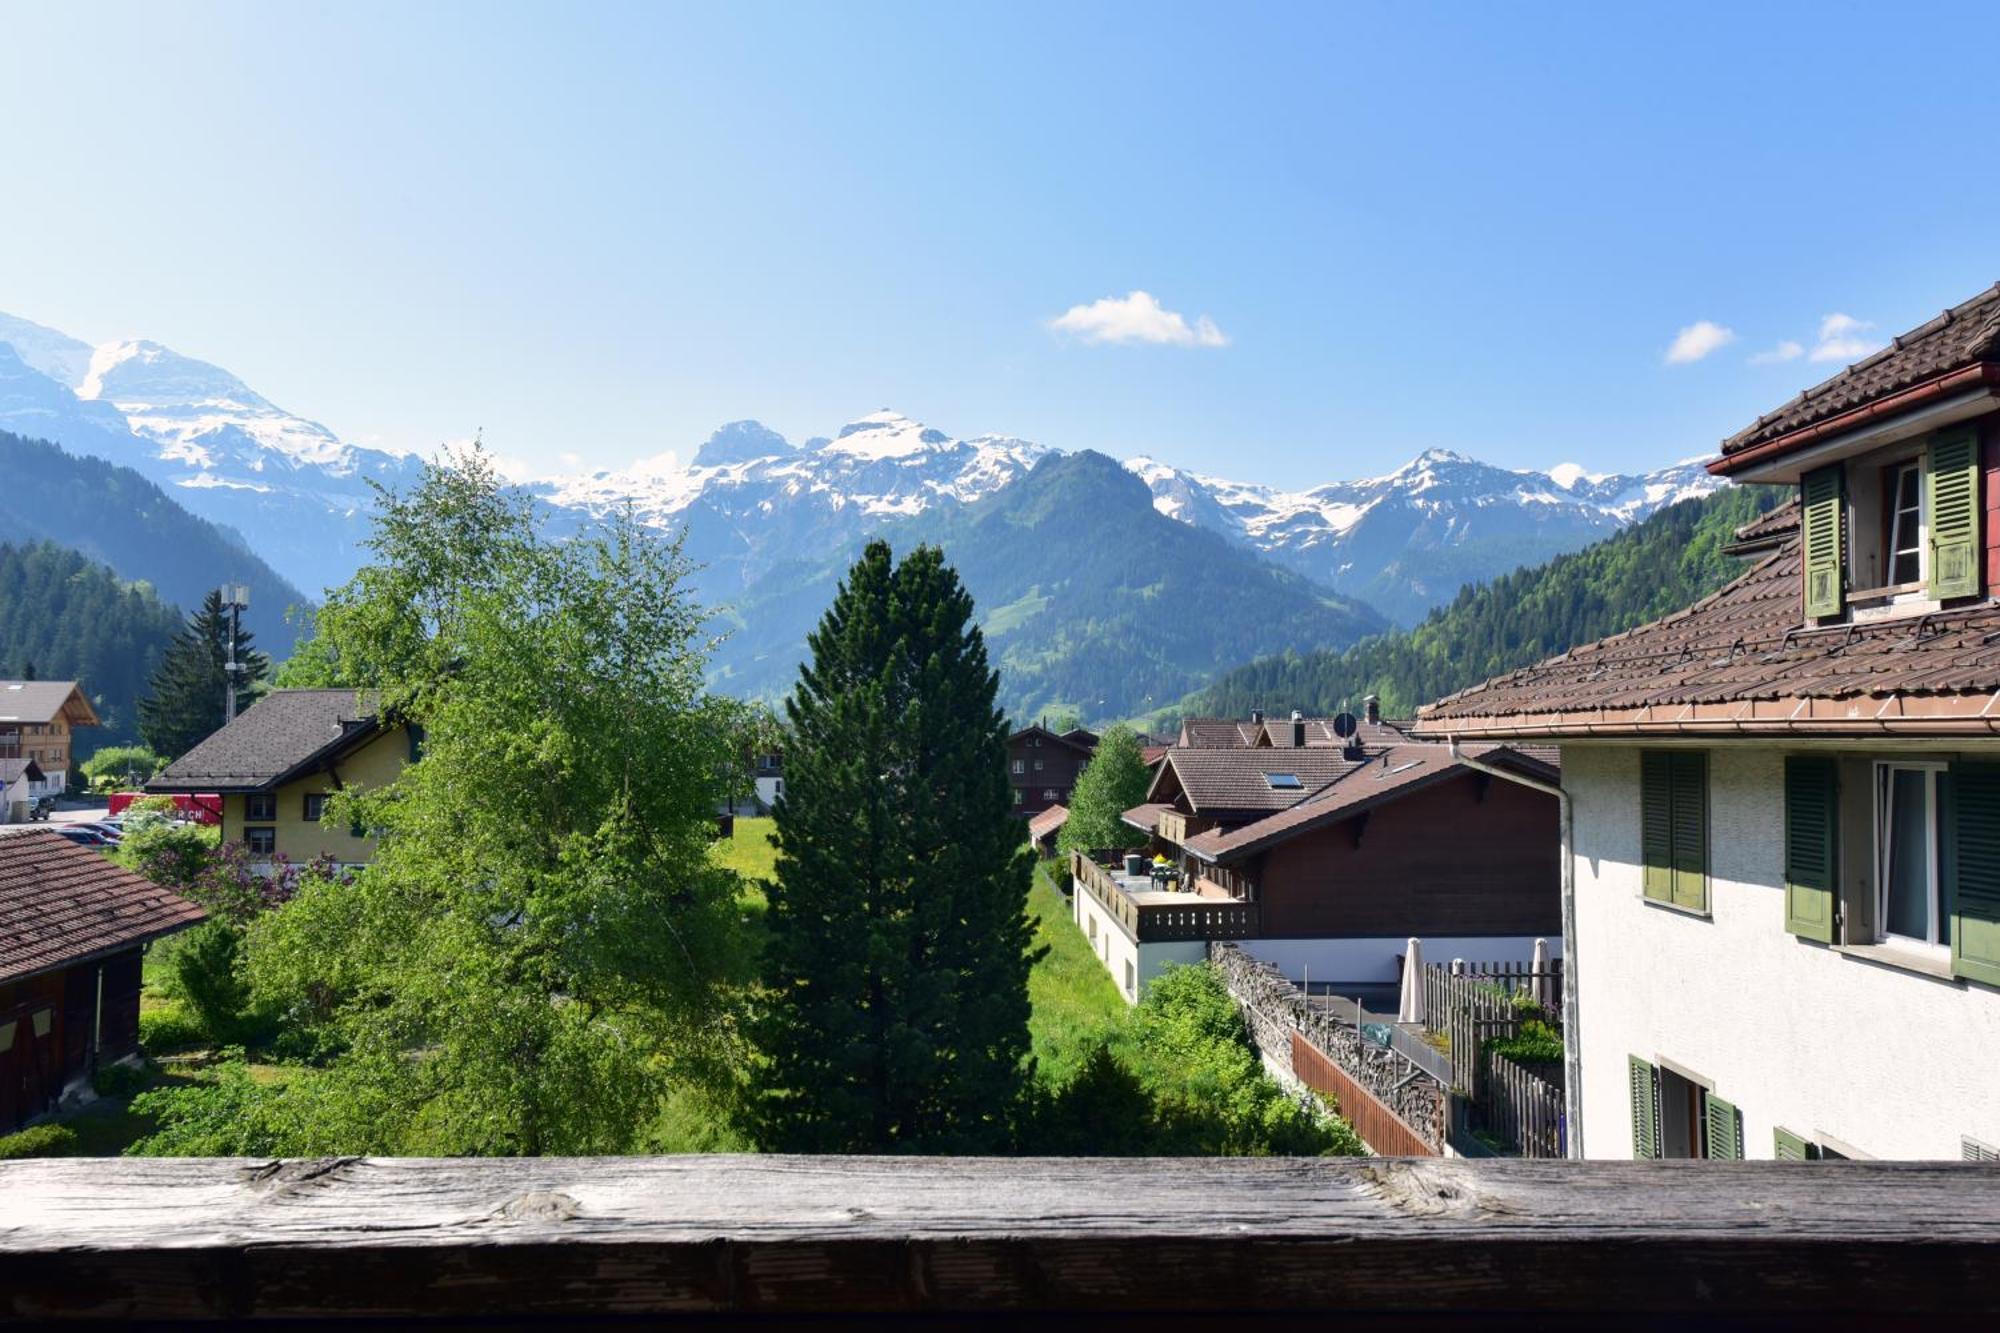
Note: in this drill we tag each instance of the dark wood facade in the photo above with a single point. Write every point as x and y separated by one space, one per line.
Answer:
1471 855
1043 766
53 1031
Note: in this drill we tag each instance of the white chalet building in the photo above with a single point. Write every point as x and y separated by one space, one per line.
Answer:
1784 802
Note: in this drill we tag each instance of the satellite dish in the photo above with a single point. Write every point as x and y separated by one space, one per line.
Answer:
1345 726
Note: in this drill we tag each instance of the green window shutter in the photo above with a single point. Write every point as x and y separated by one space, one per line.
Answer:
1812 814
1953 481
1825 558
1645 1110
1794 1147
1725 1129
1972 873
1690 836
1656 823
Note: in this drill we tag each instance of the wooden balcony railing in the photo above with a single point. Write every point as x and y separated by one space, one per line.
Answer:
1189 916
924 1240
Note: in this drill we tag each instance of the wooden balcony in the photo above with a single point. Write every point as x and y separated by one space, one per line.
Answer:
1132 1243
1149 914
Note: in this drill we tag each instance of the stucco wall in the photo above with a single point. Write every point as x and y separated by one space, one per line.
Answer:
1889 1062
1377 961
1118 950
374 765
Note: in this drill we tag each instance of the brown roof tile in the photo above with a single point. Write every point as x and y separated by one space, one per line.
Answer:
1734 649
1045 822
61 904
1234 780
1962 336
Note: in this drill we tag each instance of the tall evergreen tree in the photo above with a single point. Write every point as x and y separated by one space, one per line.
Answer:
1115 780
186 696
899 943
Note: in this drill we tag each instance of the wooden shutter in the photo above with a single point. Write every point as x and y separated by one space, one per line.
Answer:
1972 870
1794 1147
1645 1110
1690 806
1724 1124
1656 823
1812 814
1953 481
1825 556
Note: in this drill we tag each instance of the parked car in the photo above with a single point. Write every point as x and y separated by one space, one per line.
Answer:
107 829
83 835
42 808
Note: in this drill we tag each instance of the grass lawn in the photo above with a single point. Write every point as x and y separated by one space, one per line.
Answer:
1075 1003
751 854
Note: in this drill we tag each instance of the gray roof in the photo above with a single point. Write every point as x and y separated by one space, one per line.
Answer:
280 735
1218 780
12 769
37 700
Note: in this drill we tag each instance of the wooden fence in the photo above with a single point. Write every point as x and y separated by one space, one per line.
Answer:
1521 1108
1517 1108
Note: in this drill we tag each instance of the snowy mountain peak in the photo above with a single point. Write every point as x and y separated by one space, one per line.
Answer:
887 434
64 359
1567 475
741 442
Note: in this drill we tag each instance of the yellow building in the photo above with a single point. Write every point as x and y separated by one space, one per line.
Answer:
277 763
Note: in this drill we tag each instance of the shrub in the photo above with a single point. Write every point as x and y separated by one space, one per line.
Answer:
121 1080
206 978
121 766
168 1029
175 856
1537 1044
38 1141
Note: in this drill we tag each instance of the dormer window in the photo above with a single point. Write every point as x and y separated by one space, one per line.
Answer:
1888 535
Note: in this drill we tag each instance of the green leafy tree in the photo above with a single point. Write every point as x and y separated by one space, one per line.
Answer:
540 949
1115 780
115 767
188 689
899 951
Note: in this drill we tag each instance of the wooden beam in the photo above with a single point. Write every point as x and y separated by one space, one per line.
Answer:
557 1239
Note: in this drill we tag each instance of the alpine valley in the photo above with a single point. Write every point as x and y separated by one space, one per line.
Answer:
1086 570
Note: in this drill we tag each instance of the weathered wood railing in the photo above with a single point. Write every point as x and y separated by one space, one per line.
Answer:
1189 917
1804 1245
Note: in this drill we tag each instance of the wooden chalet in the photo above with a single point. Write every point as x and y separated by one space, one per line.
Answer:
1043 766
73 927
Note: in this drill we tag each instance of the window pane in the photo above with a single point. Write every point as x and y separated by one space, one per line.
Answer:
1909 896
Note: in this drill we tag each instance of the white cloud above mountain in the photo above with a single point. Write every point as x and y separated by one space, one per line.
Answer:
1137 317
1697 340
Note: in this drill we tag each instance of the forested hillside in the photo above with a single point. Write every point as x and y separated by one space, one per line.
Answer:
113 514
1655 567
65 617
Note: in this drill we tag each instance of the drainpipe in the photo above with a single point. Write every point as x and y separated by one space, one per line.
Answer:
1572 1015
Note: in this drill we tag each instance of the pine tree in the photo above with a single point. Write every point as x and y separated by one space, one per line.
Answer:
899 944
1115 780
185 700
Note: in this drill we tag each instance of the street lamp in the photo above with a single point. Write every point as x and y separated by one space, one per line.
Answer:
235 596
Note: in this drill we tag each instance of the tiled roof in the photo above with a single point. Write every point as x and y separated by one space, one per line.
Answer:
1389 774
1737 662
1217 733
42 700
1047 821
1962 336
12 769
269 740
61 904
1234 780
1766 532
1209 733
1146 817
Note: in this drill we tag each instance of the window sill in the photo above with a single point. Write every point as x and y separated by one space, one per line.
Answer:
1902 959
1699 913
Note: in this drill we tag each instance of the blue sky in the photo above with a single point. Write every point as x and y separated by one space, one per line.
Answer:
601 231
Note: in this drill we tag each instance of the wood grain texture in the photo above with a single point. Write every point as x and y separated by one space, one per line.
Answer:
392 1238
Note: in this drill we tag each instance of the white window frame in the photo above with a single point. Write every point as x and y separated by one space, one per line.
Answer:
1934 898
1922 535
1020 766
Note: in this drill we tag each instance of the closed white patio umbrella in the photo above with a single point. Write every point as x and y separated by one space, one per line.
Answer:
1411 1009
1543 983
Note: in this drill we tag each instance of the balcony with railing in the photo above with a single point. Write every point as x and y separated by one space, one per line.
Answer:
1151 910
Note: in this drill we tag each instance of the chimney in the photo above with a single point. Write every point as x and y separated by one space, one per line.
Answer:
1298 730
1256 717
1371 709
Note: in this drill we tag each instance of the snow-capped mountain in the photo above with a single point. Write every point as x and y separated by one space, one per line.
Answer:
749 501
1406 541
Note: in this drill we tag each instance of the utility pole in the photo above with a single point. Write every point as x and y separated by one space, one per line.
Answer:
235 596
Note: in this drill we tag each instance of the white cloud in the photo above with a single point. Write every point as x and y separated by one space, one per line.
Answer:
1137 318
1844 338
1697 340
1788 350
570 460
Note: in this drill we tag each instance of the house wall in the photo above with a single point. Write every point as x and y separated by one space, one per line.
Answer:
375 764
1892 1063
1376 960
1061 763
1132 965
1470 856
